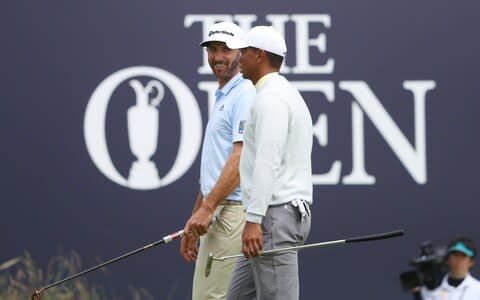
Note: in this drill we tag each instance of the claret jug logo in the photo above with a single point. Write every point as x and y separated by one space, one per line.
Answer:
142 122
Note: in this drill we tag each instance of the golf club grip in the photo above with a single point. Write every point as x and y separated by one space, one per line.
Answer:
173 236
373 237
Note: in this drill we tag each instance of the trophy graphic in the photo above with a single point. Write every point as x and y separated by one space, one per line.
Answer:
142 122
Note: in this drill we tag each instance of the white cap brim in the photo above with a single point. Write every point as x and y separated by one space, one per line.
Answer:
237 44
205 42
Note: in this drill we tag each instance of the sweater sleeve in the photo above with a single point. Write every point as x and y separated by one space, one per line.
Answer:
271 131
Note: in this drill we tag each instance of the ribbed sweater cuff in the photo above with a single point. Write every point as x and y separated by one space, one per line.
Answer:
254 218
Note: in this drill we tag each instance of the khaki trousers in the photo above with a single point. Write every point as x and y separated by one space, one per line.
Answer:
224 237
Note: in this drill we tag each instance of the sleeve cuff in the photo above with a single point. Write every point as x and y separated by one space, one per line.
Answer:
254 218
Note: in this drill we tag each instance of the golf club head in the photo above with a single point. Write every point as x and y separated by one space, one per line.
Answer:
208 265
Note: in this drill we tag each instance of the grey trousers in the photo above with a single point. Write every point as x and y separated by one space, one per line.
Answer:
273 277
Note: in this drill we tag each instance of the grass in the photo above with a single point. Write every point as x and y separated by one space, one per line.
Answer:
21 276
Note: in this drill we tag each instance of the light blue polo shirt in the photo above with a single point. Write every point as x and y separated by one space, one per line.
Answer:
225 127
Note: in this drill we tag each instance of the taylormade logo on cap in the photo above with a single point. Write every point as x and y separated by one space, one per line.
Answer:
223 32
262 37
210 33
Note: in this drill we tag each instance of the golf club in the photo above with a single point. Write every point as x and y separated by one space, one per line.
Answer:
364 238
167 239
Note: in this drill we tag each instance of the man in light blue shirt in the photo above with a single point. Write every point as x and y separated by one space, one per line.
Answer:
224 129
218 216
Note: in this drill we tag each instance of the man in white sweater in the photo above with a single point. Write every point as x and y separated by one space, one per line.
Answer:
275 173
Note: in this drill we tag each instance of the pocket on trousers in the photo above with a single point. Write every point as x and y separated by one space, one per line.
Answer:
229 219
291 229
306 225
267 224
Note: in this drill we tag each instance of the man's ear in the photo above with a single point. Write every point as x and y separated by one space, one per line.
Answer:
260 55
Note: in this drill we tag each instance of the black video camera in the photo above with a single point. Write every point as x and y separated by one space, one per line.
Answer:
429 270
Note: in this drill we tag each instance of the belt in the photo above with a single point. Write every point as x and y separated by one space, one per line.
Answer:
231 202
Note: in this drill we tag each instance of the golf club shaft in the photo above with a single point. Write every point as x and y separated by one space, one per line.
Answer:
263 253
357 239
164 240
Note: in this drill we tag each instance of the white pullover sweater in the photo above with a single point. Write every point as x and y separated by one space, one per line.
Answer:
275 164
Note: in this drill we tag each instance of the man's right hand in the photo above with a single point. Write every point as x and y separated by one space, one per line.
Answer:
196 226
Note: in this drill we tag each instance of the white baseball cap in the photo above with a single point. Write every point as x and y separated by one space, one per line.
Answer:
223 32
261 37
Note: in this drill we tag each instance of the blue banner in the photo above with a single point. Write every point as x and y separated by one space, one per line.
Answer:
104 105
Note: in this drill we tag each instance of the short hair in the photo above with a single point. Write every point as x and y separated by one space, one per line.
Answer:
274 60
468 242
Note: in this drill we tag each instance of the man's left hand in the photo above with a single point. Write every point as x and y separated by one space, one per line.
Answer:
252 240
198 223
